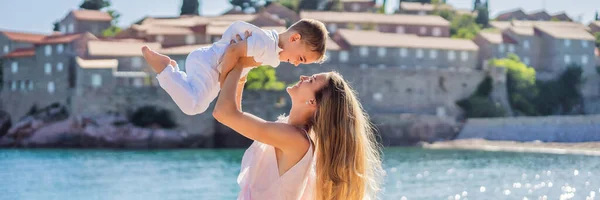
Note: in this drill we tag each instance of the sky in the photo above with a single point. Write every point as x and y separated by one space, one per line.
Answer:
37 16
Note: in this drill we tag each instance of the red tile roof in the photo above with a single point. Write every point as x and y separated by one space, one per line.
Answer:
91 15
23 37
57 39
21 52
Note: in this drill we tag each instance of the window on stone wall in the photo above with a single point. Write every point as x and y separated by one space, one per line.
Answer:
567 42
59 48
190 39
160 38
377 96
48 68
526 44
422 12
13 85
526 60
584 59
63 29
408 90
51 87
433 54
501 48
451 55
6 49
423 30
59 66
355 7
30 85
584 43
136 62
364 51
400 29
437 31
511 47
567 59
138 82
381 66
48 50
403 52
464 55
364 66
71 28
14 67
96 80
381 51
332 27
419 53
343 56
23 85
403 67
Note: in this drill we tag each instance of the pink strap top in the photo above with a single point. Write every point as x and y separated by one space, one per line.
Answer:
259 176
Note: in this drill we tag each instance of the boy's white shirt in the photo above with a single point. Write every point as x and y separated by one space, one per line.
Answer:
200 85
263 45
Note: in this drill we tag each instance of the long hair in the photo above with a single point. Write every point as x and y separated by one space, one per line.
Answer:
348 164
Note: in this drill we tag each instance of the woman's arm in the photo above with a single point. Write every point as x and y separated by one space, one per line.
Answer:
279 135
240 91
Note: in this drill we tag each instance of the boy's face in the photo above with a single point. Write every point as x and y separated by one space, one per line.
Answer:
297 52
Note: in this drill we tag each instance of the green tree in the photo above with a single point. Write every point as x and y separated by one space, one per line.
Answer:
562 95
264 78
476 4
596 17
464 26
151 116
308 5
113 29
190 7
520 83
56 26
291 4
94 4
483 15
479 103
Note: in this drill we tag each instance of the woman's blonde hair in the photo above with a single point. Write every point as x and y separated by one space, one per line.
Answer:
348 163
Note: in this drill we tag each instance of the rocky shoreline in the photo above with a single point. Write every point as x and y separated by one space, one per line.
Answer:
583 148
54 128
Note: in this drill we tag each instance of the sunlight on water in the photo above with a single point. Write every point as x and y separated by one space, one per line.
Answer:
211 174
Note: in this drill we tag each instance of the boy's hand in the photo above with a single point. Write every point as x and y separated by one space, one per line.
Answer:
242 62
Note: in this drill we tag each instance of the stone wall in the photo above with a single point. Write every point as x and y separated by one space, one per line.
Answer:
545 129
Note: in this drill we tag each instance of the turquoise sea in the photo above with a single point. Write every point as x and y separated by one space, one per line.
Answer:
412 173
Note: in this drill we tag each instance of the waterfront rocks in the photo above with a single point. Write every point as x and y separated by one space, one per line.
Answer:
409 129
105 131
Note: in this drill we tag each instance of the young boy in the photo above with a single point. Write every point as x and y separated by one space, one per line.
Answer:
302 43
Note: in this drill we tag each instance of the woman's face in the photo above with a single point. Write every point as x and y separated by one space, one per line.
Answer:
307 87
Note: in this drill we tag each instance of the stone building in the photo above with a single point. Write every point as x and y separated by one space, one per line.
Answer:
80 21
427 25
594 27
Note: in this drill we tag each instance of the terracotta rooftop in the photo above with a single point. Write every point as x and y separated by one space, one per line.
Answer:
364 17
91 15
508 14
522 30
168 30
21 52
416 6
97 63
23 37
378 39
67 38
115 48
566 32
497 38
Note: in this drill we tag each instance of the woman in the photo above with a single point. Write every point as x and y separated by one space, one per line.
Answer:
327 121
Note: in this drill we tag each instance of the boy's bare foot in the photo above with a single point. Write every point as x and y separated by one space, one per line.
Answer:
157 61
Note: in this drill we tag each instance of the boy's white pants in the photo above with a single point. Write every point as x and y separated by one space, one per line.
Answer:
195 90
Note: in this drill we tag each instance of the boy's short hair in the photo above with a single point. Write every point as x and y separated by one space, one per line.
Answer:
314 33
